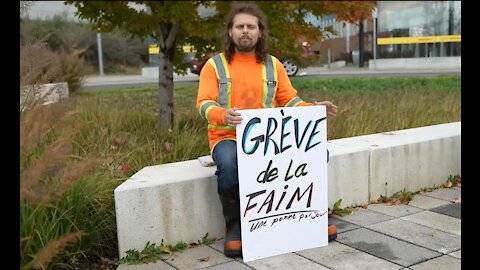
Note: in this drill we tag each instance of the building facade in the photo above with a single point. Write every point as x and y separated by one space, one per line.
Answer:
416 30
345 42
413 29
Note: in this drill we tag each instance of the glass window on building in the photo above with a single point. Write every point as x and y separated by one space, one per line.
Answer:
418 29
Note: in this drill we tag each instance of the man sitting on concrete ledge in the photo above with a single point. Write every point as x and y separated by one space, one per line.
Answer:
244 76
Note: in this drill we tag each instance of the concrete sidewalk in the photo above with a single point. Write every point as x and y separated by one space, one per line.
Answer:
425 234
349 70
118 80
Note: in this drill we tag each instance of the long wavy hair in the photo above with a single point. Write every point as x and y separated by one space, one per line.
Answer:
262 43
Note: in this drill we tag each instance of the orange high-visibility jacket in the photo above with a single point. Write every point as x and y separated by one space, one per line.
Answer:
243 84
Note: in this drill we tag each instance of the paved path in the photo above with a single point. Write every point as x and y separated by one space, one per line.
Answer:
423 235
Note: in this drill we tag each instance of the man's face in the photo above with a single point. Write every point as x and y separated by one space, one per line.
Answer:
245 32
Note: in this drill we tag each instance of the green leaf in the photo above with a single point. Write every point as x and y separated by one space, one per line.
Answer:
337 205
342 212
205 240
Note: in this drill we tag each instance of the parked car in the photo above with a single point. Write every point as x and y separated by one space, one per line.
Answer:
292 62
291 65
196 64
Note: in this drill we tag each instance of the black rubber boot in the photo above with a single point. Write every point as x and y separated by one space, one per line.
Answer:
233 238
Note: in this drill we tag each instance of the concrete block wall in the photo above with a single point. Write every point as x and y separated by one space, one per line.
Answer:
48 93
336 64
178 201
418 62
348 174
409 159
174 202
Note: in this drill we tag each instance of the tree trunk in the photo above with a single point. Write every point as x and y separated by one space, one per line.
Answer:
165 84
166 36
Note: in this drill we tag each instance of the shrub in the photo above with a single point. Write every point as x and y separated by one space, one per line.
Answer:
39 65
73 70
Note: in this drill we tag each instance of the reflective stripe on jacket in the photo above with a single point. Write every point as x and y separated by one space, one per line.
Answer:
219 63
219 91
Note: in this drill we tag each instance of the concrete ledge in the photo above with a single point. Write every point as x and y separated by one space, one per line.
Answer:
416 63
179 202
174 202
348 174
409 159
46 93
150 72
336 64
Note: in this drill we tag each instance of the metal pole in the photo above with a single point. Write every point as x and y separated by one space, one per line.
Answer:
329 57
450 29
347 38
374 42
100 54
360 43
374 36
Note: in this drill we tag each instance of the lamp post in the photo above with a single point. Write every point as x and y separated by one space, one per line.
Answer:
374 16
100 54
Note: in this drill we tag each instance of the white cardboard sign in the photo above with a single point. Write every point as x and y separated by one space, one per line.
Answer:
282 169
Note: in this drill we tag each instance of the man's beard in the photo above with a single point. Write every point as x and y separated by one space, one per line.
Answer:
245 46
